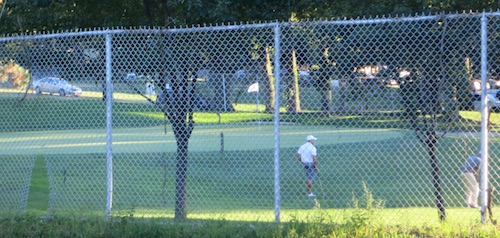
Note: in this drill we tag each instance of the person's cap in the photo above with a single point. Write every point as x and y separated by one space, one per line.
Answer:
311 137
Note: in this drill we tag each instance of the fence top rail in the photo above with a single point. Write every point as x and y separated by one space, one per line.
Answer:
157 30
152 30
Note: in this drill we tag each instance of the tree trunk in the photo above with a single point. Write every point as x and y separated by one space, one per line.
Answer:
180 114
436 181
290 78
269 83
221 100
326 102
295 89
323 84
181 174
425 129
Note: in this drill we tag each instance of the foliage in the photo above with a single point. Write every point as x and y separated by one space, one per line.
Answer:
364 208
13 75
47 15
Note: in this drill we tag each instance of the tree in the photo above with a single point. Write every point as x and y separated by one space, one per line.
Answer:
322 82
422 111
179 108
13 75
423 96
437 66
178 67
181 65
50 15
179 111
289 78
268 84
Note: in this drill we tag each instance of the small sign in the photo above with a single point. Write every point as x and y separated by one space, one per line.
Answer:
254 88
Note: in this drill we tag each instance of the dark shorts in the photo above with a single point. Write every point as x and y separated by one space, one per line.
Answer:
310 170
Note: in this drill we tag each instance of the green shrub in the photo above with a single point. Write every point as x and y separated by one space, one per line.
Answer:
364 208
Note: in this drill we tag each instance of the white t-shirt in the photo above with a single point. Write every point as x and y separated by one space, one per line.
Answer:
306 152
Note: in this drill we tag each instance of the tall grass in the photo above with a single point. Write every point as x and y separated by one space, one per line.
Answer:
123 227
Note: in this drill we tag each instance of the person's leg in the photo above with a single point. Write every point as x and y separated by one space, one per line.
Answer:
475 192
309 186
471 189
309 178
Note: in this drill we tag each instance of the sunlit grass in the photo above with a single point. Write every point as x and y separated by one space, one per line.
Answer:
213 118
476 116
412 216
126 226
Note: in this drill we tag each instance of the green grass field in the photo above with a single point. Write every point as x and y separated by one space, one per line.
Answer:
232 180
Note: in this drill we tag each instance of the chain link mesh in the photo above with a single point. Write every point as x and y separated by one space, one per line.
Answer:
391 102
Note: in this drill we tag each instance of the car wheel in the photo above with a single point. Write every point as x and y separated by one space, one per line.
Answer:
62 93
38 91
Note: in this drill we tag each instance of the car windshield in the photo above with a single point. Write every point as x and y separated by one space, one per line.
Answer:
63 82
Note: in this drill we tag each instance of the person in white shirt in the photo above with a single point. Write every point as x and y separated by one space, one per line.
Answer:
307 155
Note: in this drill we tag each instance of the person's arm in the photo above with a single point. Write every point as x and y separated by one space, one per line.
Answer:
299 157
315 161
477 167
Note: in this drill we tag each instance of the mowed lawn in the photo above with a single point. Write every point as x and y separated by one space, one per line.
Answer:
231 166
239 136
239 184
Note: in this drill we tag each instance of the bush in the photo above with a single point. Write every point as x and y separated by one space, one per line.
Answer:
364 208
13 75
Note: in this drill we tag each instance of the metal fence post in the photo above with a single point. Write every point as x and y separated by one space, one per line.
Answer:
109 115
484 117
277 64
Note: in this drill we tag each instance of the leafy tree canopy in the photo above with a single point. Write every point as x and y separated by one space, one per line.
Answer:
18 16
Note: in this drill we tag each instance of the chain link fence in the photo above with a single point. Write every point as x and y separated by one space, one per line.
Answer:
205 122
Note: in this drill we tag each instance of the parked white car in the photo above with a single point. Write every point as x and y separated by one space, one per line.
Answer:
56 85
493 96
493 99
